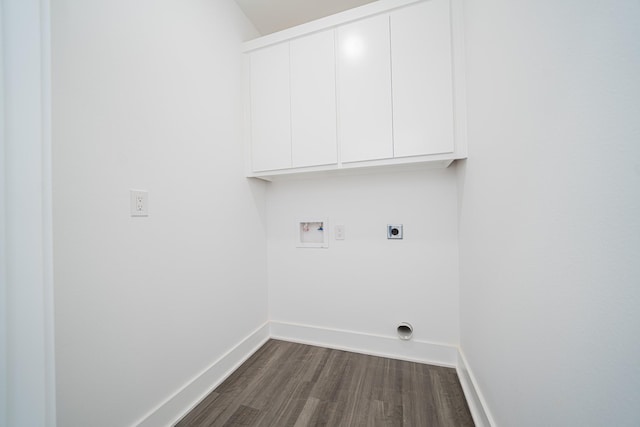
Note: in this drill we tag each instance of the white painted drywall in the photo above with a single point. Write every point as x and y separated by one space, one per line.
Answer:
366 283
148 95
550 211
27 387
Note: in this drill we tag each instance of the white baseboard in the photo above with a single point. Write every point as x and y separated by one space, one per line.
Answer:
186 398
375 345
477 404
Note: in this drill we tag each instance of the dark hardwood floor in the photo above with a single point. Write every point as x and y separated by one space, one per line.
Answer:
287 384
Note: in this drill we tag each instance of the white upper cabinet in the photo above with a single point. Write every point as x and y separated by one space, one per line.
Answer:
270 109
376 86
364 90
313 100
422 79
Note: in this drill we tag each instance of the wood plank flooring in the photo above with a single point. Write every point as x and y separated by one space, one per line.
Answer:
287 384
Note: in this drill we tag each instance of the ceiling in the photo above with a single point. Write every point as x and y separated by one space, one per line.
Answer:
269 16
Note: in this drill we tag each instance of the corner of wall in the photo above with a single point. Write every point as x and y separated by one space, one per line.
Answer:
477 404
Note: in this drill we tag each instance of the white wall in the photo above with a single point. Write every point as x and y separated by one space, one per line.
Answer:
367 284
550 211
27 385
147 95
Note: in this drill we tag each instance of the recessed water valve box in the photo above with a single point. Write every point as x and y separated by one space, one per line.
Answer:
312 234
394 231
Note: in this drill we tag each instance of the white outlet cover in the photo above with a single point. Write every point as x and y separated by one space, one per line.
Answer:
139 202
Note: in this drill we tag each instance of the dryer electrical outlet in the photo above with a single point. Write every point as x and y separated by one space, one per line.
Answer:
394 231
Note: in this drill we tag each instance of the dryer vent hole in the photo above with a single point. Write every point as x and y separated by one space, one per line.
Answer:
405 331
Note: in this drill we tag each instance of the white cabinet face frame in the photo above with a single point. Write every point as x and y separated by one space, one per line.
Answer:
313 100
270 108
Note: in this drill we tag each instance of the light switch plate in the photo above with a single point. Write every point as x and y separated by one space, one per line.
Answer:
339 232
139 202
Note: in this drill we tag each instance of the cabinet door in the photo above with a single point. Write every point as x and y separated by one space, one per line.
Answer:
313 100
270 108
422 79
364 90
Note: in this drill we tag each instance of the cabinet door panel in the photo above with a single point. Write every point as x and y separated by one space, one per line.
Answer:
270 108
364 90
422 79
313 100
